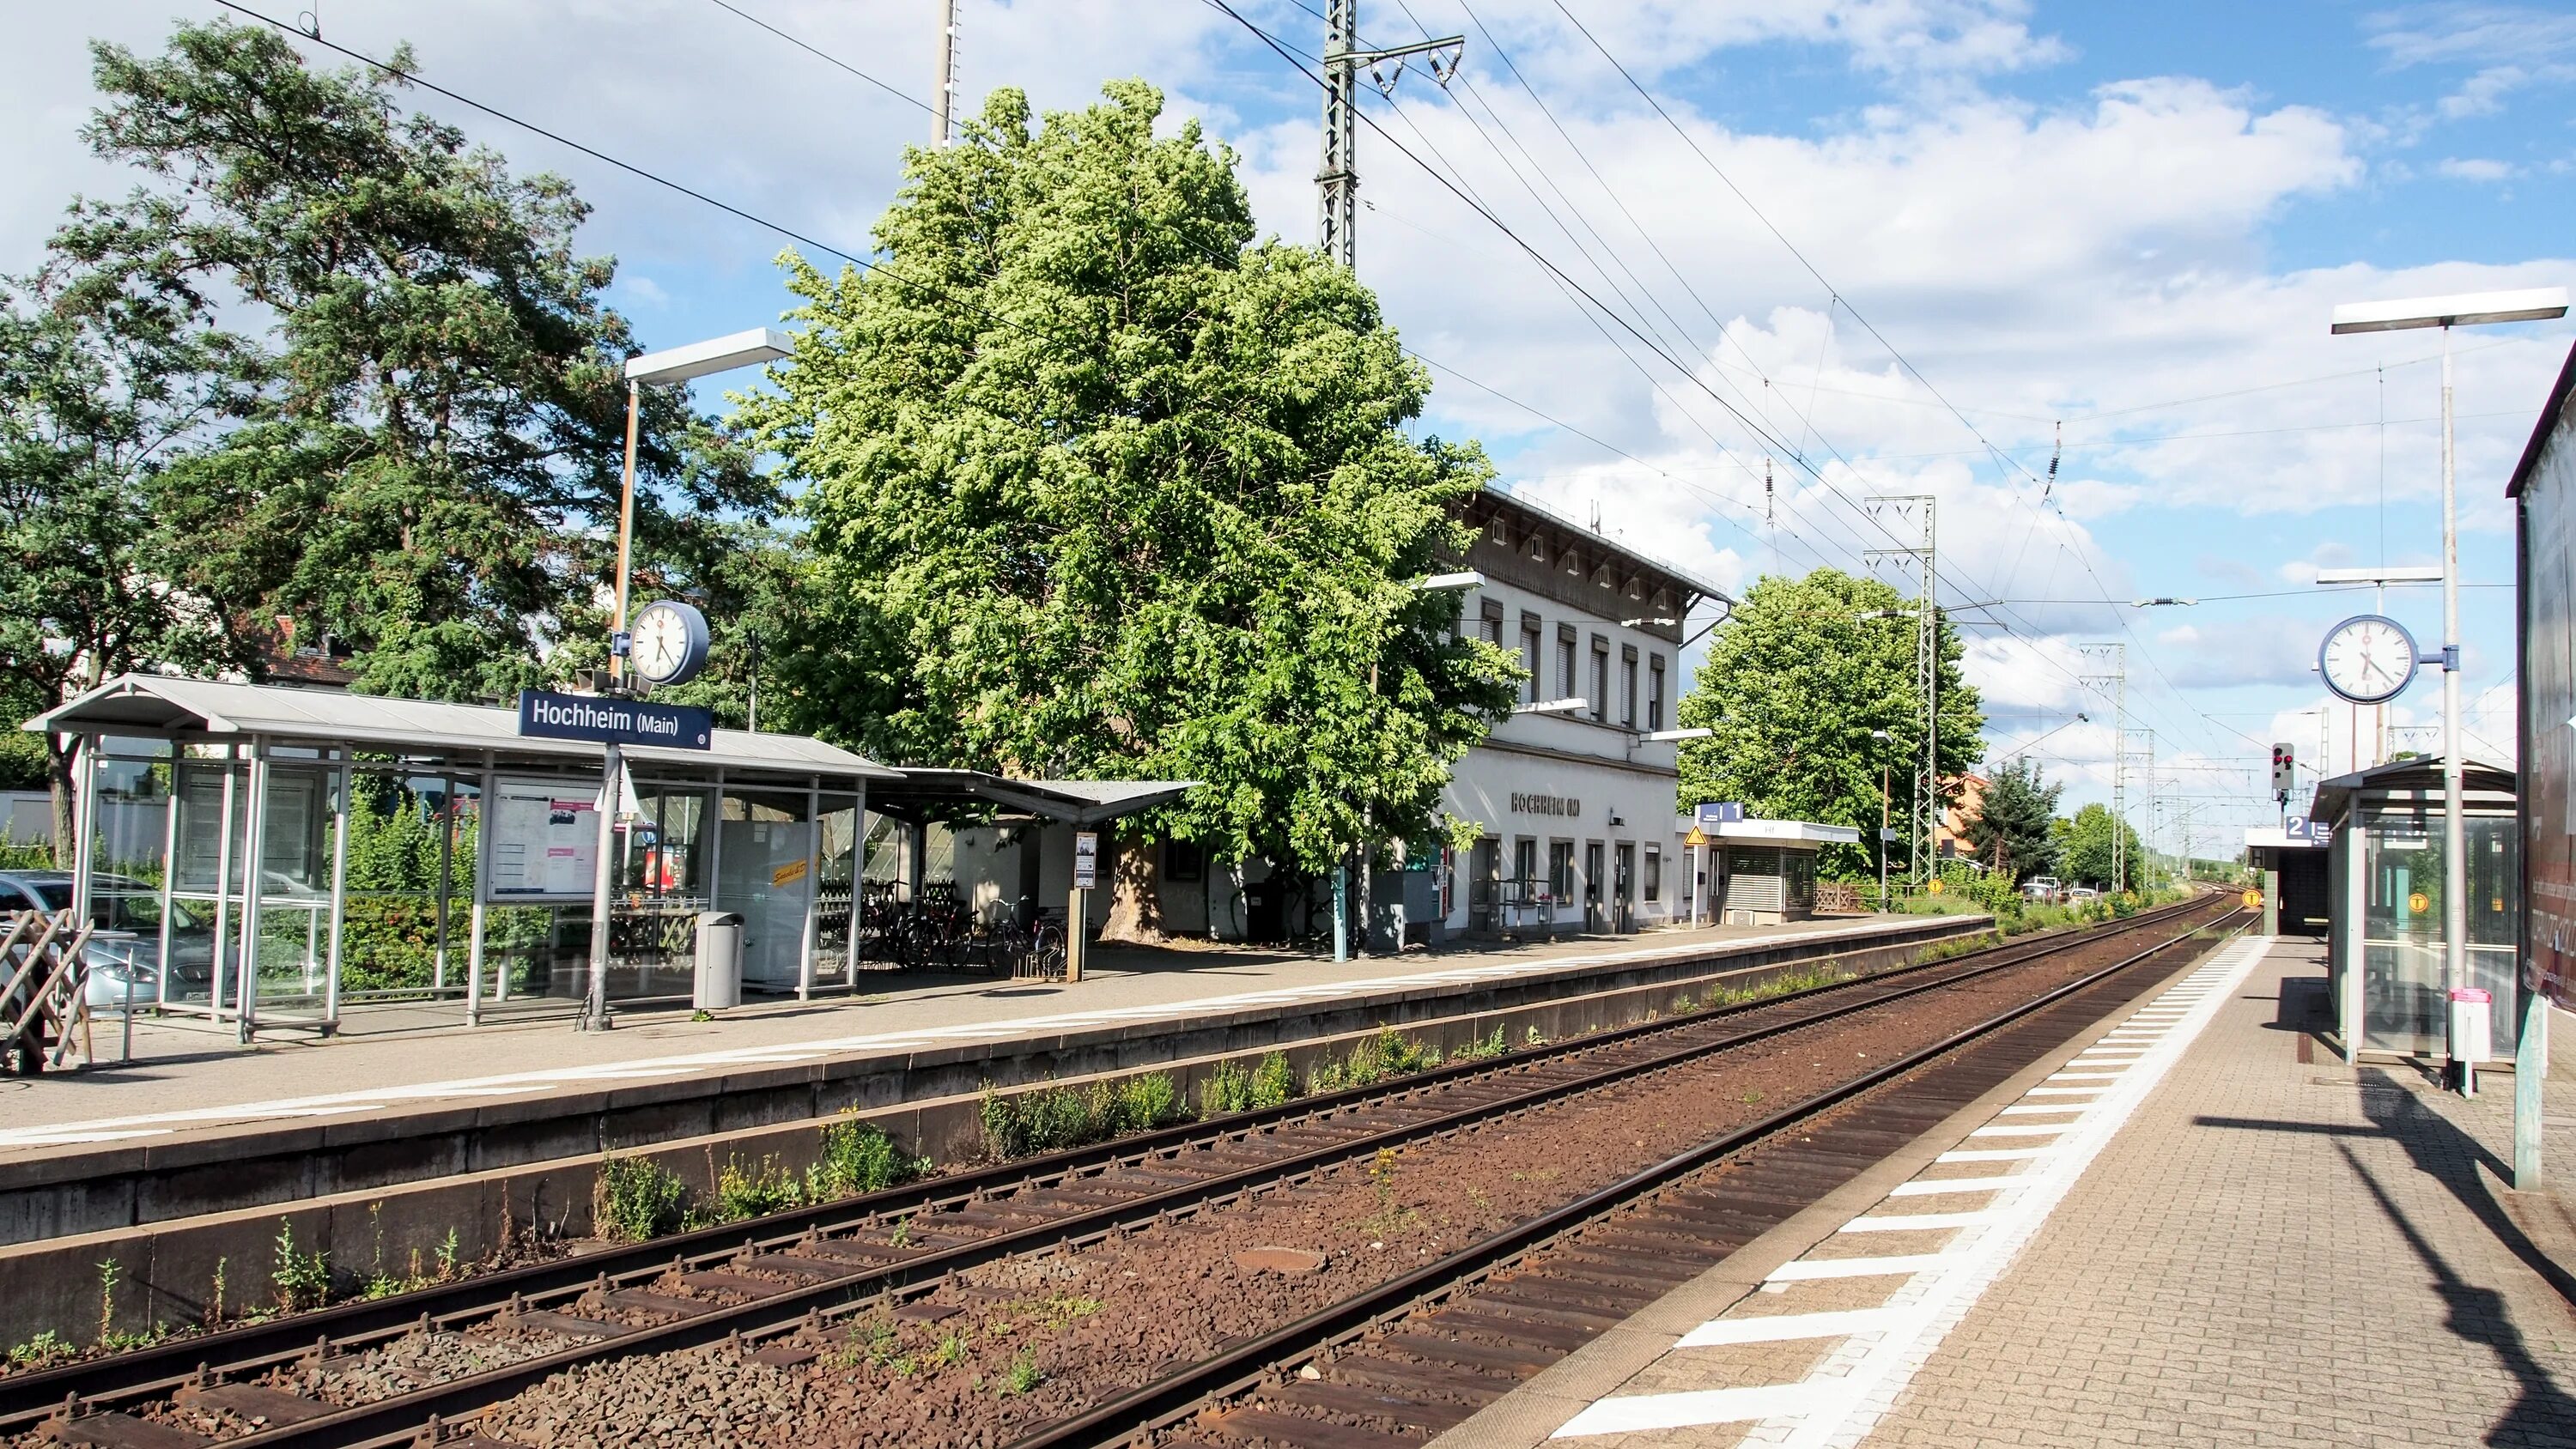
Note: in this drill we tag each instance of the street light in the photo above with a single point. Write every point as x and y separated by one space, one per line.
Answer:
1883 737
676 364
2531 304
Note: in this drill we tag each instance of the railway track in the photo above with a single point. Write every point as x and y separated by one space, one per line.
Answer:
1422 1353
772 1283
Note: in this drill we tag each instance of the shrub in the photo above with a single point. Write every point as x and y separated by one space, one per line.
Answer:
858 1157
636 1199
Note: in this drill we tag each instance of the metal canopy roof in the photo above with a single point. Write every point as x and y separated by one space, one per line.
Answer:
1795 834
153 704
2478 779
930 794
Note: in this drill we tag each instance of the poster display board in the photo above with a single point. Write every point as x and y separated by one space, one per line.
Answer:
544 840
2548 766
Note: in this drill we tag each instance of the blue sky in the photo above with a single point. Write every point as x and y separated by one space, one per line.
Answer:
2115 228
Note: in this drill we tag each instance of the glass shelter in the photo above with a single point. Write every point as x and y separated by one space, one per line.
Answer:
286 854
2384 880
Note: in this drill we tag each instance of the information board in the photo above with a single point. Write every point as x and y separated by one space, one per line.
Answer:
544 840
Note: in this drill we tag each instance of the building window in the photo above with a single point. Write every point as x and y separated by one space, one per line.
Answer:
1560 871
1600 679
1529 658
1654 872
1654 691
1566 688
1628 685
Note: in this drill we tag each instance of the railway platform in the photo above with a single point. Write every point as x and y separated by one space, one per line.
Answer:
2192 1226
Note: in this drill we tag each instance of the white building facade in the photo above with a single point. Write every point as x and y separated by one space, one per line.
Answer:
1574 808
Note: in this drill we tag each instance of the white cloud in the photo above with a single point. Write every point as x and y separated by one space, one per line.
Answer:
2475 168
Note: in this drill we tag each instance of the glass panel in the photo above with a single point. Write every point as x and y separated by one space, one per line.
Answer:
405 843
839 825
765 849
292 954
2401 993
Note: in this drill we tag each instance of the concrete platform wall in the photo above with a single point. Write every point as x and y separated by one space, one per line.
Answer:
379 1195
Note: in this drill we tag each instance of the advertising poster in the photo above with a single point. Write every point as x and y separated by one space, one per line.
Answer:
2549 718
545 840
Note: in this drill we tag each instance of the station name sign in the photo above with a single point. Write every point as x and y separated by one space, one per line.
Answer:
1566 805
615 721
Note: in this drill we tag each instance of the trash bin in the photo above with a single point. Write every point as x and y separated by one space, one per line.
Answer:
719 982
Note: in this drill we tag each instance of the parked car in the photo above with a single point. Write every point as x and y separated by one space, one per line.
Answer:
129 954
2043 888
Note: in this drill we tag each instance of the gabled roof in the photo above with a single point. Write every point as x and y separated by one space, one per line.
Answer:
2550 418
159 704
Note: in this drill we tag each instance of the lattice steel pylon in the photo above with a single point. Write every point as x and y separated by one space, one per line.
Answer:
1337 182
2108 673
1925 820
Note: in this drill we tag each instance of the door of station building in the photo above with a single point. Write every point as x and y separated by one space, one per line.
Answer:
1593 917
1623 907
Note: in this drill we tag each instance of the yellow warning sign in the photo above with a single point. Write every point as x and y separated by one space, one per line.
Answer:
788 874
2419 903
2253 900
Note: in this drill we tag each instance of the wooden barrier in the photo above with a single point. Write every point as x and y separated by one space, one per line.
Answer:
44 961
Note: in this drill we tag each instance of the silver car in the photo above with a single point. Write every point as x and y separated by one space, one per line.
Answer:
125 946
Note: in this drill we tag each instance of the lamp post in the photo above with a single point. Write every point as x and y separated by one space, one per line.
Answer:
676 364
2530 305
1883 737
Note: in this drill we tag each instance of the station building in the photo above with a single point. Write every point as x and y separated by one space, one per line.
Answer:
1574 809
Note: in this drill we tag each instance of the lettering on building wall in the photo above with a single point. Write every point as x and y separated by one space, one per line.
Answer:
1565 805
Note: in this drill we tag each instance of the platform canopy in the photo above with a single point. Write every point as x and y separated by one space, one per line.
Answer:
161 706
924 794
1794 834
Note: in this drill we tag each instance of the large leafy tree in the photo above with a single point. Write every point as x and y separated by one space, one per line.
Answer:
1101 488
2013 830
2086 848
103 381
1794 684
427 467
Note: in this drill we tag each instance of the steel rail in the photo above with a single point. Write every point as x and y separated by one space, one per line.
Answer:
148 1373
164 1366
1158 1404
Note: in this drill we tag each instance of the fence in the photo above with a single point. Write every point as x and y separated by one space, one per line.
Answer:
43 960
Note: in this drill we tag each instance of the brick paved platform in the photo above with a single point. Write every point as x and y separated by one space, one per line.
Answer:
2182 1233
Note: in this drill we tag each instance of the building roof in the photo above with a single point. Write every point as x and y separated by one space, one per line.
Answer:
927 793
165 705
1509 501
2551 416
2477 777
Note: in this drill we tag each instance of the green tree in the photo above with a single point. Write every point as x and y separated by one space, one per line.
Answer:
104 381
1099 487
2013 831
1793 686
2085 848
427 466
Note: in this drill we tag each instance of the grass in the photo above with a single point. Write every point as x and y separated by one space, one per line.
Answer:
1052 1119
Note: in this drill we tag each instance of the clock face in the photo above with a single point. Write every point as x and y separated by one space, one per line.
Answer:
2367 660
670 642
